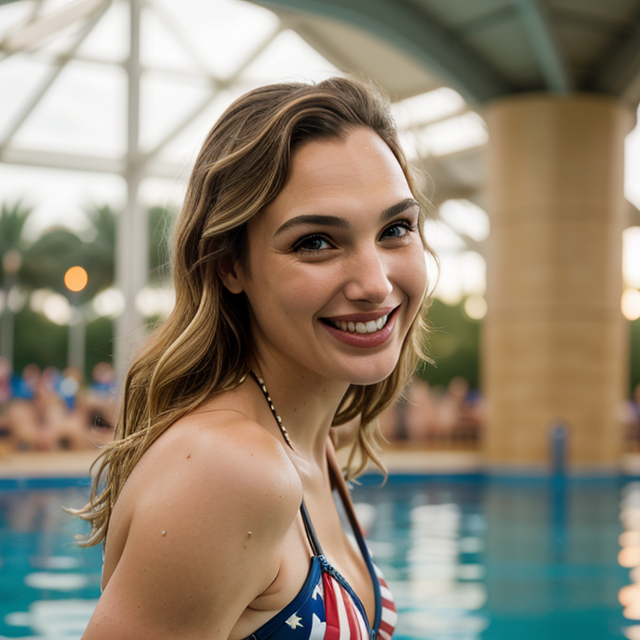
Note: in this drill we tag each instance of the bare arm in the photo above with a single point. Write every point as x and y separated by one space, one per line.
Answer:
189 567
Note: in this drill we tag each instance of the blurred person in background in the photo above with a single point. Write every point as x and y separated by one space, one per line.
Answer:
101 404
52 411
6 443
22 413
433 416
630 417
421 413
5 381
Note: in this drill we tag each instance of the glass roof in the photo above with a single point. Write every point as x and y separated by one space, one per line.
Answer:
63 64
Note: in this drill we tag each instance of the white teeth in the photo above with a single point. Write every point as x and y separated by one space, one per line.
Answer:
361 327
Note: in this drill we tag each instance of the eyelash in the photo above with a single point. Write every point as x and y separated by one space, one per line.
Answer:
297 247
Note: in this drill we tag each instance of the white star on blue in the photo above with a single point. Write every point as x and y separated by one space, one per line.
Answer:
295 622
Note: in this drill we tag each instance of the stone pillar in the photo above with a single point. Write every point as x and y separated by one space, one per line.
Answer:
555 343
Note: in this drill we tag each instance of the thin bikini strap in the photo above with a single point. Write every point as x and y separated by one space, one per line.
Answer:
340 484
316 547
311 532
278 419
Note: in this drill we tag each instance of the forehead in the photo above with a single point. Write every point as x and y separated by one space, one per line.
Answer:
359 172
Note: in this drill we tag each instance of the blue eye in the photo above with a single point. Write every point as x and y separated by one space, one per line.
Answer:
312 244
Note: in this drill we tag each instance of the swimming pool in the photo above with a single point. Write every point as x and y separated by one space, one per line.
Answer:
468 558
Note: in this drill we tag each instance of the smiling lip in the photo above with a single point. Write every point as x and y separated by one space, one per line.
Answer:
363 317
363 340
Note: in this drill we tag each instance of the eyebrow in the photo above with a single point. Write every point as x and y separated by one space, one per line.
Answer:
335 221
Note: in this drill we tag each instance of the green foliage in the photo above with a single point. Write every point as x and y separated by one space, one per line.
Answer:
454 345
44 343
58 248
99 253
49 257
38 340
12 220
99 257
99 341
44 264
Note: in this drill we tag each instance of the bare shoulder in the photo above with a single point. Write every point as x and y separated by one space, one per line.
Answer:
198 529
220 448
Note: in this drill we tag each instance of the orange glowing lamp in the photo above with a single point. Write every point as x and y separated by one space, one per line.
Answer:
75 279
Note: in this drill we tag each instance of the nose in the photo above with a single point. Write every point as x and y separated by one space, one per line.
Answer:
368 278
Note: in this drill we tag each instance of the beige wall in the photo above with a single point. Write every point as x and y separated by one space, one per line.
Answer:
554 340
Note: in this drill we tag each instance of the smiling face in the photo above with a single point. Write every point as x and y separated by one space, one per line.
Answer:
335 264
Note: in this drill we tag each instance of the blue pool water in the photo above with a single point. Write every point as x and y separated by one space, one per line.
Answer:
467 558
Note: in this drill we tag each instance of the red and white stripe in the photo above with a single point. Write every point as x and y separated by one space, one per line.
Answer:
344 619
389 612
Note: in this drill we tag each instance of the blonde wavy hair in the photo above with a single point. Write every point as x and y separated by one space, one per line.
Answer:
203 348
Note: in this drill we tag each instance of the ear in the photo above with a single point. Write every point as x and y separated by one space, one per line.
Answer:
228 271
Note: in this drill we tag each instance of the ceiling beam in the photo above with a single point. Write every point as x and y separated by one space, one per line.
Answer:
619 73
412 31
92 164
53 74
35 32
182 39
216 88
314 38
547 49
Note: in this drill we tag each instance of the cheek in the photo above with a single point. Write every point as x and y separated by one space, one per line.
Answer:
412 275
295 294
306 287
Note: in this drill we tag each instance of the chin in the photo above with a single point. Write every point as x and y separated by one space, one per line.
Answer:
367 375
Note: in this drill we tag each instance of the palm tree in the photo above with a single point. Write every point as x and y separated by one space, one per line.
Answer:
100 251
43 263
13 246
49 257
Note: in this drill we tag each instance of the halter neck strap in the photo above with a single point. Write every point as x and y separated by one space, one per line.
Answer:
308 525
278 419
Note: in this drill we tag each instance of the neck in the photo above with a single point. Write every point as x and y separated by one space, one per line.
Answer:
305 402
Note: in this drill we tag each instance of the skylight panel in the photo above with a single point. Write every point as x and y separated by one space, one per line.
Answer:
224 31
455 134
108 40
83 112
290 58
428 107
442 238
14 14
465 217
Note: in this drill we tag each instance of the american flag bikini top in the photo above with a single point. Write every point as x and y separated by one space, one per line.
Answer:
327 608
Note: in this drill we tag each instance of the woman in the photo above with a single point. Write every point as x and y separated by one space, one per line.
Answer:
300 283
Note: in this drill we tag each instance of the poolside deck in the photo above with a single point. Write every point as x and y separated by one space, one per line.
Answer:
398 460
61 464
